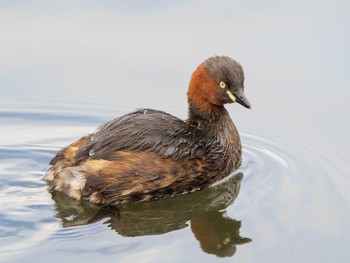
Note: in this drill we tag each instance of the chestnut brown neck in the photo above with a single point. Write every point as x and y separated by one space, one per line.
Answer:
204 111
202 91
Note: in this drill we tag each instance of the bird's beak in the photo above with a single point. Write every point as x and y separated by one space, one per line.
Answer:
239 97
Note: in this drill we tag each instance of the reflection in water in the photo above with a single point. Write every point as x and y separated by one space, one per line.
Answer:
216 233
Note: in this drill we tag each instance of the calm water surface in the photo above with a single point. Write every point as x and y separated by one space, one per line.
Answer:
288 202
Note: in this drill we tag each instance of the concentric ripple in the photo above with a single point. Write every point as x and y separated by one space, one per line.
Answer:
297 183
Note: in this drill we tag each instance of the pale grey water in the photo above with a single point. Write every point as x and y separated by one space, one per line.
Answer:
67 67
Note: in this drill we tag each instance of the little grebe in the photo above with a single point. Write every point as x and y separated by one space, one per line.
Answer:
149 155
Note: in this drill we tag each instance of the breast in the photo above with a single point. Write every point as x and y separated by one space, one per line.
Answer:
227 138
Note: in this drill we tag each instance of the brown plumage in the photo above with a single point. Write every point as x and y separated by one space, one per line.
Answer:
149 155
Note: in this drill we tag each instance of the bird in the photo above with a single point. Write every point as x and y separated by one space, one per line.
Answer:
148 155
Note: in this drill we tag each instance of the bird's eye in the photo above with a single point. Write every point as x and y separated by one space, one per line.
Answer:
222 85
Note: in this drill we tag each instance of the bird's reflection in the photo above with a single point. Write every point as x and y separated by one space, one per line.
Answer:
204 210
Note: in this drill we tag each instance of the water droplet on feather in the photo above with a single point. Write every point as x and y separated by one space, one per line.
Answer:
91 152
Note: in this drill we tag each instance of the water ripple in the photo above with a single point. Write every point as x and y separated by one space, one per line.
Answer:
292 183
291 186
25 207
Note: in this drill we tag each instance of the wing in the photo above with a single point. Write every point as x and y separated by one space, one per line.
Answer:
146 130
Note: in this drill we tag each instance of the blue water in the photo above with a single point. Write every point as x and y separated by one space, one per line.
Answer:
288 200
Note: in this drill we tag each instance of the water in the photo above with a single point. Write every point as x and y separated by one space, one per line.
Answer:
287 202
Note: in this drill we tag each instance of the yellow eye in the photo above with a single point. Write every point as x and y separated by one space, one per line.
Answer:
222 85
